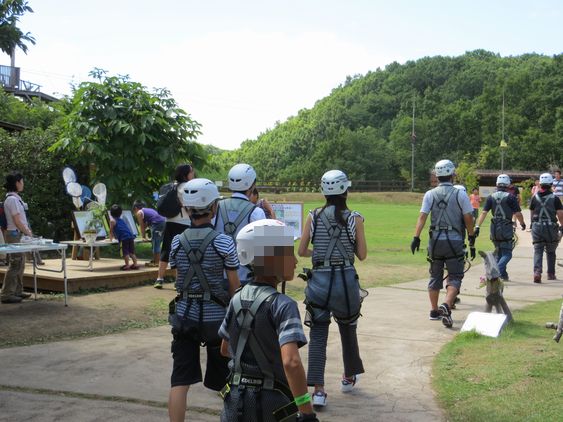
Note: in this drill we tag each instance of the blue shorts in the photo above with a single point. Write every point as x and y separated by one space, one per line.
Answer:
157 230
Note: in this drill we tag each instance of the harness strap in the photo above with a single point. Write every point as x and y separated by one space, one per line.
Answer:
335 241
245 320
230 227
443 215
195 257
499 209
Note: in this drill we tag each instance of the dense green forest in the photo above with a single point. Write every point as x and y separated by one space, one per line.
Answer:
364 126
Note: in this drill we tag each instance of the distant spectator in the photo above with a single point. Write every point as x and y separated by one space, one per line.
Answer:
558 184
14 208
536 188
175 225
262 203
475 200
148 217
121 231
514 190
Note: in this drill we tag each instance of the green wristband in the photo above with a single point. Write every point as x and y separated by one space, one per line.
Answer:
304 399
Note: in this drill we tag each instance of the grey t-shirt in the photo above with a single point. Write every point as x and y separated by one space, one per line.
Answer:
13 205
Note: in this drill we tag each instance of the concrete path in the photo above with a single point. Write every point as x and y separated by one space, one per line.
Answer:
125 377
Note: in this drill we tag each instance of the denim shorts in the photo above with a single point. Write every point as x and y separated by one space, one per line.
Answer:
157 230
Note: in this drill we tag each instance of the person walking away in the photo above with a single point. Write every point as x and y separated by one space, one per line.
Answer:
333 288
199 255
148 217
504 206
558 184
262 333
16 226
546 209
121 231
176 224
237 211
475 200
451 216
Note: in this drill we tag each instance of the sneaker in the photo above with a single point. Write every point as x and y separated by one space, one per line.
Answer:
446 315
435 315
319 399
158 284
24 295
11 299
537 278
551 276
348 383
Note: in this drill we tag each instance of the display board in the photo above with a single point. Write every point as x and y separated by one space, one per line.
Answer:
81 218
127 216
291 213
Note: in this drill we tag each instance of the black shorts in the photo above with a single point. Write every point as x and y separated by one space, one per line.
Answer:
186 369
170 230
128 247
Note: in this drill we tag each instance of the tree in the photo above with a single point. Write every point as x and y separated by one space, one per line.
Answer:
131 138
12 37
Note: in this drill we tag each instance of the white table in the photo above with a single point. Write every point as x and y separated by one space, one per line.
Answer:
36 247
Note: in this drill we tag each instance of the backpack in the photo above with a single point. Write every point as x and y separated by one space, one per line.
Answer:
3 221
168 204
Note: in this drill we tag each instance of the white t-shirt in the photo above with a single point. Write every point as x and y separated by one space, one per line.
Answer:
13 205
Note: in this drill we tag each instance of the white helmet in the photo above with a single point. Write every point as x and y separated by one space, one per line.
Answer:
461 188
258 235
444 168
199 193
241 177
503 180
546 179
334 182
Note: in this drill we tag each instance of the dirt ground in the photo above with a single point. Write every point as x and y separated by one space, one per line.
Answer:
47 319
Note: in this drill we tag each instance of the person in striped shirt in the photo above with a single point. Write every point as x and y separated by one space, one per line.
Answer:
199 255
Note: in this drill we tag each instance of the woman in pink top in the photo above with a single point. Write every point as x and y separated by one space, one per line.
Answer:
475 200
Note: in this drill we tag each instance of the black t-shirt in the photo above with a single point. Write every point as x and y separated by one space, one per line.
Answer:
535 206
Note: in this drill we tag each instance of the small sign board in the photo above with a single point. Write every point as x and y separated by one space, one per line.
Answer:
81 218
291 213
485 323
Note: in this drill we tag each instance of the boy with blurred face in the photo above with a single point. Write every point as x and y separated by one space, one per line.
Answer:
262 333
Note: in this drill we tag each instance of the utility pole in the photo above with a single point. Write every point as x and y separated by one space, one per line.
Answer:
413 140
503 144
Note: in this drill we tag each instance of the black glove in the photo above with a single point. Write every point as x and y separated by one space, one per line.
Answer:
561 229
472 253
415 244
471 241
303 417
523 225
476 231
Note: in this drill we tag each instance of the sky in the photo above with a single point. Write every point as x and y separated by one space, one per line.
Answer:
238 67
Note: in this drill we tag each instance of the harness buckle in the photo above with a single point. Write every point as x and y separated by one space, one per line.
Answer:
236 379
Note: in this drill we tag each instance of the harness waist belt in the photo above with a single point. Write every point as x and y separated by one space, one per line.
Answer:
332 264
194 294
441 228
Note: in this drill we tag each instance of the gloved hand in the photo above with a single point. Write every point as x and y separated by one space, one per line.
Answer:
472 253
471 241
523 226
415 244
476 231
561 229
305 417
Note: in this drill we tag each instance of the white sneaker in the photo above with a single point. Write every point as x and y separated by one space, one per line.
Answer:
319 399
347 384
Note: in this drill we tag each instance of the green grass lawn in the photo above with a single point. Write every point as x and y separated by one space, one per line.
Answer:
517 377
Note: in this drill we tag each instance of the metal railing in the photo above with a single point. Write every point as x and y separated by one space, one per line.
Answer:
10 78
277 186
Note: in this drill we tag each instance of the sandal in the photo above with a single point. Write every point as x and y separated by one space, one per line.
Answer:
125 268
